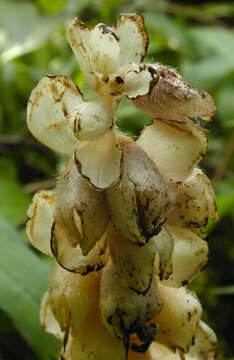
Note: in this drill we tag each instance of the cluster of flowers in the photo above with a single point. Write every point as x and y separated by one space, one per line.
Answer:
123 222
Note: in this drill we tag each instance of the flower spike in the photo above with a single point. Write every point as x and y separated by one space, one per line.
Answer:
124 220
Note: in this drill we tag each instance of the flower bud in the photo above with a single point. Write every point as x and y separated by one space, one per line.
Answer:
80 209
135 264
123 310
138 203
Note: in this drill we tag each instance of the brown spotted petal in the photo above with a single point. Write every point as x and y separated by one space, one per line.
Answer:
100 160
124 311
194 202
88 337
133 37
40 220
204 348
71 298
71 257
189 256
51 110
104 50
47 318
78 35
138 203
205 343
92 340
135 264
165 246
95 342
80 209
170 97
175 147
179 317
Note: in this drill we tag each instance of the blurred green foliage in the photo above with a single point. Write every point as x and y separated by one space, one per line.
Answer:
195 37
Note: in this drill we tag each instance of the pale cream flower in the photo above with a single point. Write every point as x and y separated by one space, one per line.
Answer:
102 50
60 118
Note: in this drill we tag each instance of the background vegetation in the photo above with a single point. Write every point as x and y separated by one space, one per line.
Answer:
195 37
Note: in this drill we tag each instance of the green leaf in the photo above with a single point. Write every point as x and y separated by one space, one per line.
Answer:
207 73
18 18
164 26
213 39
26 30
212 59
51 6
23 279
14 201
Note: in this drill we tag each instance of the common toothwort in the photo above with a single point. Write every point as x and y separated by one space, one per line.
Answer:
124 219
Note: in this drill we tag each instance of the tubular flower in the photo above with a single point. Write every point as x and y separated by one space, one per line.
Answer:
124 219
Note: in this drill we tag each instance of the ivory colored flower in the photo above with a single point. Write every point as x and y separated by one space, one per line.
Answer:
123 222
102 50
60 118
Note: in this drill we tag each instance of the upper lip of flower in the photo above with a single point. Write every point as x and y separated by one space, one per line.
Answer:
102 50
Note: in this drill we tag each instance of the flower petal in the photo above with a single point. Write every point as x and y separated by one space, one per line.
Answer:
93 341
104 50
176 148
78 37
47 318
131 80
138 203
50 110
40 220
100 160
71 258
157 352
72 297
135 264
194 203
170 97
205 344
190 255
179 317
133 37
123 311
80 208
165 246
